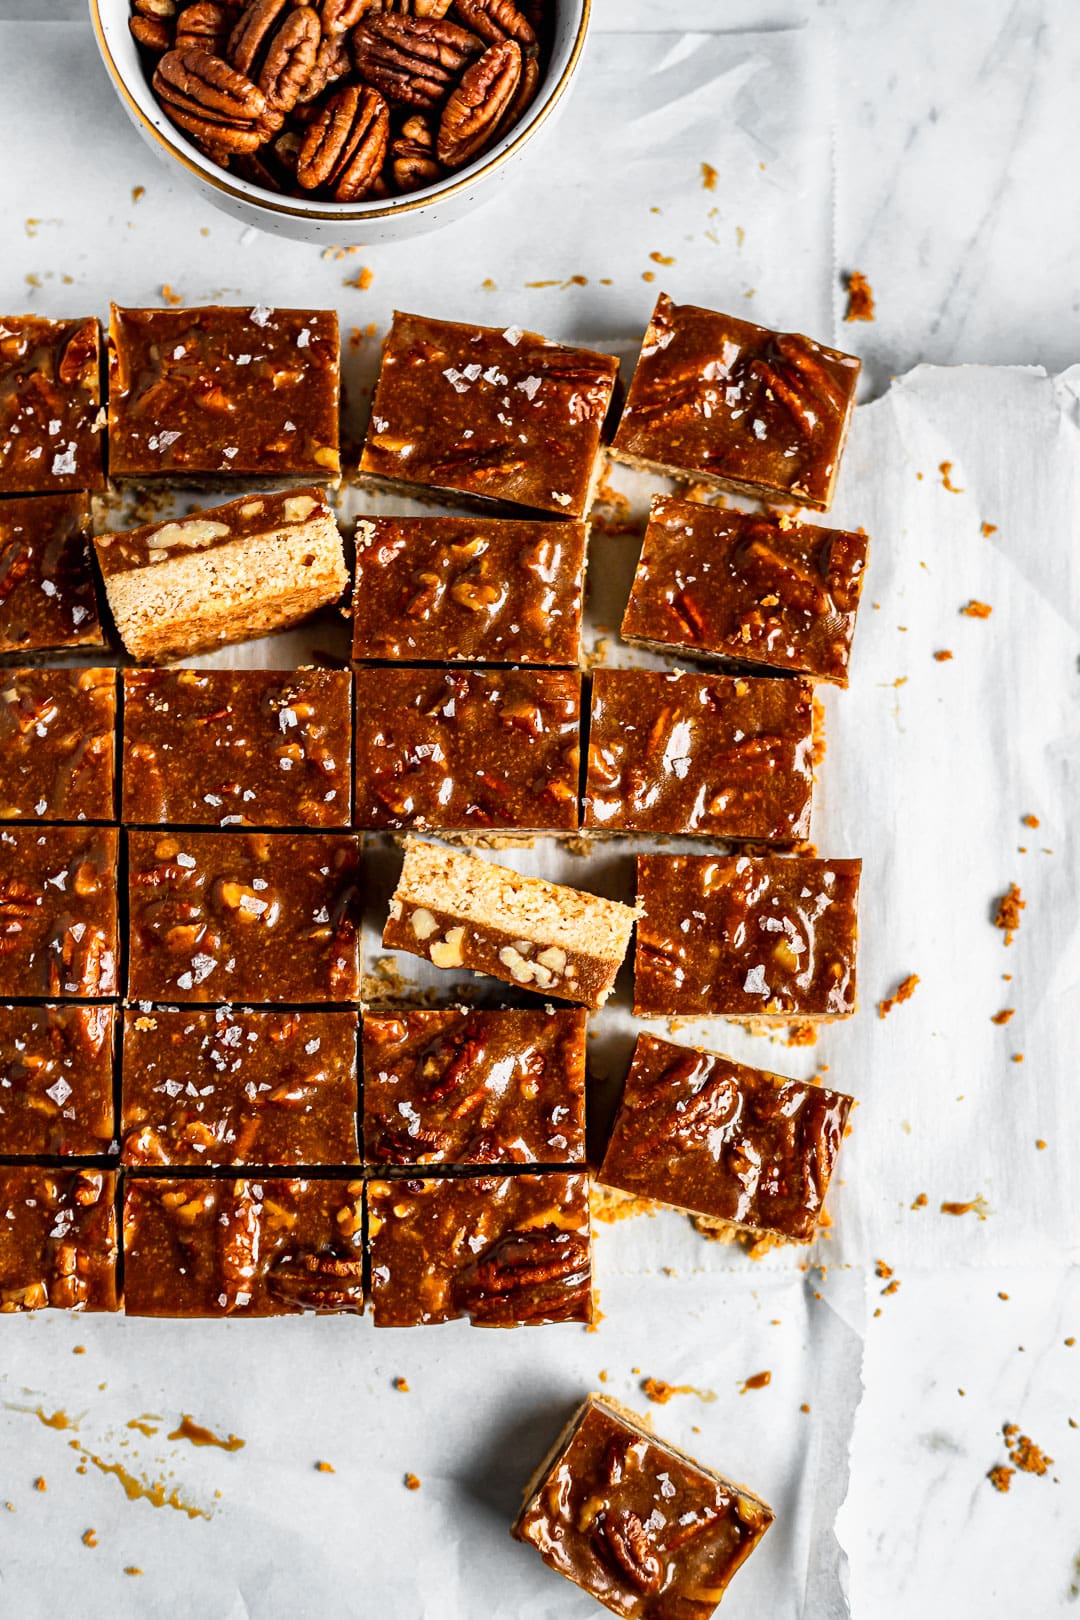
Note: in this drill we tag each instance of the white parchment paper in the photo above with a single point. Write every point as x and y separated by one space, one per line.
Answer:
926 780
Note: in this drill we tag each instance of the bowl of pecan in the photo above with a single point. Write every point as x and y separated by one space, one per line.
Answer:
380 118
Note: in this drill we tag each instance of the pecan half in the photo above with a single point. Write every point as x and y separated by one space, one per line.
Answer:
209 99
331 63
290 59
345 145
252 34
205 25
412 61
542 1275
474 109
319 1282
151 34
623 1543
338 16
495 20
524 96
412 155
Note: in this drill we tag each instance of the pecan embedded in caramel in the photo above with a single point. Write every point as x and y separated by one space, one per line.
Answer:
542 1274
624 1544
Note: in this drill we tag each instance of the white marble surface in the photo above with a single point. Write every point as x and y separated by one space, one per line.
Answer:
953 130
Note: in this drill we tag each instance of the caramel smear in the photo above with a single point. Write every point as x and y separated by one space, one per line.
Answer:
153 1491
860 298
903 992
660 1391
147 1424
759 1381
199 1436
709 177
945 469
974 1206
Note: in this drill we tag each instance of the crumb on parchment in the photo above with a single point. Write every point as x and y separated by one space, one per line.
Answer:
323 1467
976 610
1003 1016
709 177
943 655
411 1482
860 298
1007 916
1000 1477
903 992
660 1391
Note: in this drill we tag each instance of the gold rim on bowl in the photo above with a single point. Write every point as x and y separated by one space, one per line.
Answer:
349 213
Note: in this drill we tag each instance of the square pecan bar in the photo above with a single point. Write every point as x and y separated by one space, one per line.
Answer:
47 592
214 395
726 755
474 1087
237 747
243 916
57 744
56 1080
259 1246
224 574
502 1250
58 1242
459 749
461 911
58 917
50 397
501 416
737 936
443 590
635 1522
238 1088
719 1138
747 588
720 401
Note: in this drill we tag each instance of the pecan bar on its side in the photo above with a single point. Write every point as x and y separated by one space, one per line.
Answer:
464 912
225 574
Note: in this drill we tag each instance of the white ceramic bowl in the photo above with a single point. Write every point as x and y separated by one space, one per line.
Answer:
312 220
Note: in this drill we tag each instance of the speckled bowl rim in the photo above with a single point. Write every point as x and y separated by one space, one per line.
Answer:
344 213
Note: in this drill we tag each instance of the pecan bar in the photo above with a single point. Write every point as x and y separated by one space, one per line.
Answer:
499 416
50 397
226 574
719 401
57 744
743 937
464 912
635 1522
719 1138
238 1088
748 588
58 922
56 1085
464 749
244 916
726 755
211 396
58 1244
503 1251
478 1087
252 1247
238 747
47 594
439 590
